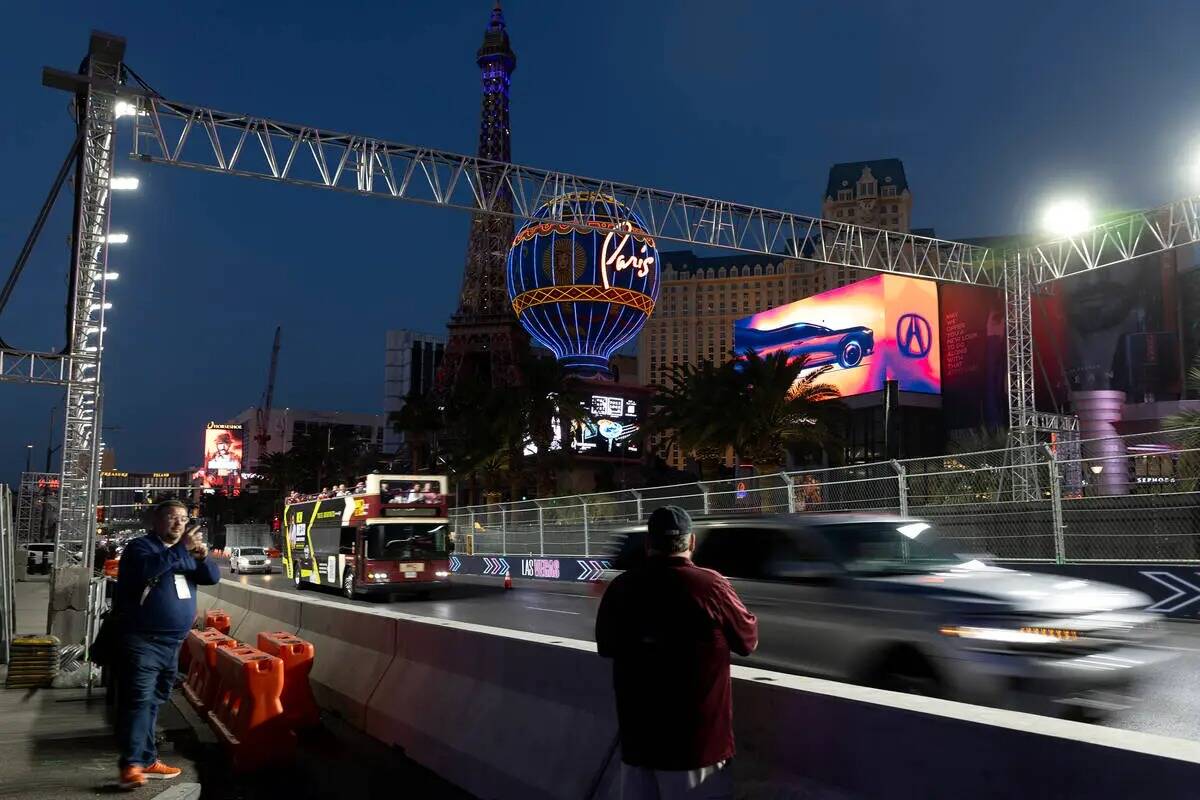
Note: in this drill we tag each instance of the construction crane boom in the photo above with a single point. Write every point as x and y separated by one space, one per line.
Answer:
263 435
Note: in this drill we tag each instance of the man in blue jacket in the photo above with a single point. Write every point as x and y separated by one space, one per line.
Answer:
156 603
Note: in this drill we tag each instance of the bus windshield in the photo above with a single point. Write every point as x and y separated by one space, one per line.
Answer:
411 541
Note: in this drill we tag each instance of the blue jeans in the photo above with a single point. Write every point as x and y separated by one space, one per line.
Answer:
144 682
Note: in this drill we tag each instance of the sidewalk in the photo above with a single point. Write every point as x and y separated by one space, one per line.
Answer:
57 743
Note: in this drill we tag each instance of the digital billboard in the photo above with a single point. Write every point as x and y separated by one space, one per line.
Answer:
974 357
612 430
612 427
223 448
879 329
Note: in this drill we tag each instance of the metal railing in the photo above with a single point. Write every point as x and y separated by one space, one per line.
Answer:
1120 498
8 575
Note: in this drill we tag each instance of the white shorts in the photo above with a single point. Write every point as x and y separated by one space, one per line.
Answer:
706 783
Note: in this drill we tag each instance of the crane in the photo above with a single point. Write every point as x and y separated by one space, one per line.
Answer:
263 416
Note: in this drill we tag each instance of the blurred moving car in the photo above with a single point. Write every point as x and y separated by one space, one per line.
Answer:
885 601
249 559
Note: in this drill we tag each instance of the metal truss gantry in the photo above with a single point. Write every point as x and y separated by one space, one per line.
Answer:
203 138
186 135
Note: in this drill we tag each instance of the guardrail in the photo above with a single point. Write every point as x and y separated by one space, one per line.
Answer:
1129 499
510 714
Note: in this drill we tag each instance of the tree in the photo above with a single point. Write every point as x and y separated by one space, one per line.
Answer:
693 409
1189 441
777 410
420 420
548 401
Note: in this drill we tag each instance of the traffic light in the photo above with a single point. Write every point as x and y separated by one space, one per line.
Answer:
99 513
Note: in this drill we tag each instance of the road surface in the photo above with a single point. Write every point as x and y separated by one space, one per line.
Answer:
1170 704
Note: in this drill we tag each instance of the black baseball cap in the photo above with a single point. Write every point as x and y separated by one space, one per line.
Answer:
668 520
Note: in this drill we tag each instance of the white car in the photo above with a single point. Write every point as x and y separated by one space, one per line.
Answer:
249 559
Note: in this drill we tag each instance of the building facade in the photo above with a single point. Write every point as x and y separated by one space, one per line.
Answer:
700 297
286 425
870 193
410 367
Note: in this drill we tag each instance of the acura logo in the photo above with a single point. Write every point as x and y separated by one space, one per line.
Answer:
914 337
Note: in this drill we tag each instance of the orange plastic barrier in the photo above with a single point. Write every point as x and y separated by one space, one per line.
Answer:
217 618
248 715
201 685
299 707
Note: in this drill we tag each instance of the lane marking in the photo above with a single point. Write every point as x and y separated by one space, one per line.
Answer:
552 610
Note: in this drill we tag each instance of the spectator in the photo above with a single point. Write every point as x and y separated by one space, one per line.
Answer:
668 626
156 602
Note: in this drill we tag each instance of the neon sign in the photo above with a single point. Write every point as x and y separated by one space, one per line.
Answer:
611 256
583 283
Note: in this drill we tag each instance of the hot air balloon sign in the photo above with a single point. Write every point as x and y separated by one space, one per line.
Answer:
583 278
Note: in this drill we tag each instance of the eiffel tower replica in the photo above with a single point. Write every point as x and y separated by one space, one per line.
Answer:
486 341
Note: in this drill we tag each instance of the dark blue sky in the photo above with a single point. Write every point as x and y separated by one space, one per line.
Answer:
989 107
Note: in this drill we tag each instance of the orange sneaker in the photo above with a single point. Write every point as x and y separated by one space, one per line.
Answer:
132 777
158 771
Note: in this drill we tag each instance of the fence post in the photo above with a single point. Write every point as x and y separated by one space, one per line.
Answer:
704 495
503 532
790 483
1056 511
585 529
637 497
901 486
541 530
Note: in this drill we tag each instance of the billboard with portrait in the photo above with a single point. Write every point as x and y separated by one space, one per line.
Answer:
879 329
223 449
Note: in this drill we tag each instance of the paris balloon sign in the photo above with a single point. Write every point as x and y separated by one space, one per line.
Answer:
879 329
583 278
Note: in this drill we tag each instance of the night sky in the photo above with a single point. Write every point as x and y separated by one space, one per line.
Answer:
990 108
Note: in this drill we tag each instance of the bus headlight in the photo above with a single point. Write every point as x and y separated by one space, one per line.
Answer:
442 574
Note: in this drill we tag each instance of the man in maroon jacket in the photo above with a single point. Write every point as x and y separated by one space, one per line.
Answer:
668 626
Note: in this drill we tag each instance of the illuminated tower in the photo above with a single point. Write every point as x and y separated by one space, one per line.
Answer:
485 337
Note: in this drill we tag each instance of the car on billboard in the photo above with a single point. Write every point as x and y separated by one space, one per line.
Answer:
819 345
890 602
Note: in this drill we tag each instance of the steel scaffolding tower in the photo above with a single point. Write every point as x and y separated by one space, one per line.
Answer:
96 114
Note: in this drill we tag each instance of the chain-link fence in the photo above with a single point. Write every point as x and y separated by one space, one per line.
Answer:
1119 498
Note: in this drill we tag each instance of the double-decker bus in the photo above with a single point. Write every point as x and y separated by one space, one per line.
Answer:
390 535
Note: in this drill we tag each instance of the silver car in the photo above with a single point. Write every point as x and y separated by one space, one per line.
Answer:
249 559
884 601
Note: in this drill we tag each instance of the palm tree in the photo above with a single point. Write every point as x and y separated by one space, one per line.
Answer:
693 409
548 398
777 409
420 420
1189 461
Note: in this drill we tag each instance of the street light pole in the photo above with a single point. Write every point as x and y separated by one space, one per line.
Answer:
28 457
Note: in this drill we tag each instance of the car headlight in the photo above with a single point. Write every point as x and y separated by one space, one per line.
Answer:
1022 635
267 562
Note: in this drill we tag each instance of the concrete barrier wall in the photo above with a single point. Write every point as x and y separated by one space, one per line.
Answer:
528 717
506 714
268 612
354 650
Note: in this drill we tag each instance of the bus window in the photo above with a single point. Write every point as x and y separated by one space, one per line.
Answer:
406 542
346 547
